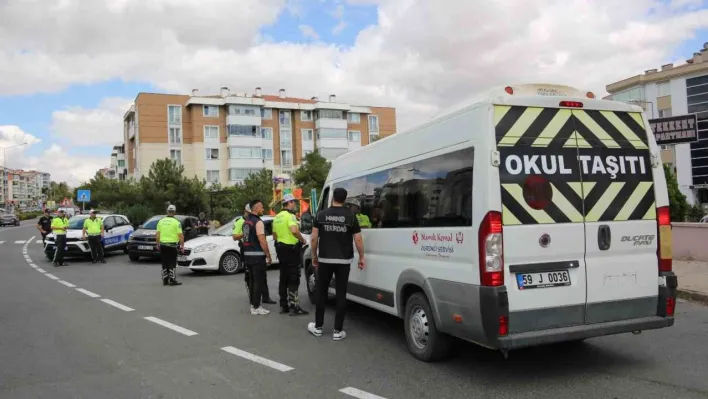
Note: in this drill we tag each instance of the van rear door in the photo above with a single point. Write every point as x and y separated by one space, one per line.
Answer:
542 217
620 215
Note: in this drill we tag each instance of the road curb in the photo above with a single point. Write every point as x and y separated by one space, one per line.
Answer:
693 296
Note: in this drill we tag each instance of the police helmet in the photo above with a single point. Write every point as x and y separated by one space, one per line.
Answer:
288 198
354 202
171 208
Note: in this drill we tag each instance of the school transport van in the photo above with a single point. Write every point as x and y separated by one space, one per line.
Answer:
537 215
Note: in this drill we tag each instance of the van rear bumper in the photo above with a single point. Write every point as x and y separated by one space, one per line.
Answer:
575 333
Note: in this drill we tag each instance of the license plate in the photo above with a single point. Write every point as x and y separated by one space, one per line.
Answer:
145 247
542 280
181 258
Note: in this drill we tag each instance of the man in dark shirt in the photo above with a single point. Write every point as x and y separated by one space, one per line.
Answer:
332 233
44 225
203 225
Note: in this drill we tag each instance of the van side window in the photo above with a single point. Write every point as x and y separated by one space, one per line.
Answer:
324 203
432 192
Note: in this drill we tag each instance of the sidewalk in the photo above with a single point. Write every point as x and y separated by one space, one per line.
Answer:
692 279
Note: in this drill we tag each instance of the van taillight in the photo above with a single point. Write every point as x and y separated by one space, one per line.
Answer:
491 250
670 306
503 326
663 252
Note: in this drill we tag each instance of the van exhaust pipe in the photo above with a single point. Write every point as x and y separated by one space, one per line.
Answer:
637 332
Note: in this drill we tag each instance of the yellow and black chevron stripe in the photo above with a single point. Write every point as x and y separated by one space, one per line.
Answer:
521 130
558 128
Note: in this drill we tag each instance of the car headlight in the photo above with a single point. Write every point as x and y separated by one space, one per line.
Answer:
205 248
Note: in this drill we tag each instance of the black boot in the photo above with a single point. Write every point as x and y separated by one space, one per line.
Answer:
173 278
165 277
268 301
298 311
284 309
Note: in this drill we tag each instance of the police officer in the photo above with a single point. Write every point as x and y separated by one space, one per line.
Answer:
44 225
93 227
203 225
59 226
170 240
332 233
355 207
237 235
288 246
256 255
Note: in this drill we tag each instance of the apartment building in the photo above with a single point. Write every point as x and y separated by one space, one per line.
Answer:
224 138
674 91
118 168
23 188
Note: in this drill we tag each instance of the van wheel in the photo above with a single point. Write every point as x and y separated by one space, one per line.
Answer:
133 258
311 282
424 340
230 263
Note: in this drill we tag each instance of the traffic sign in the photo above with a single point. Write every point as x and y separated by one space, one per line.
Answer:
84 195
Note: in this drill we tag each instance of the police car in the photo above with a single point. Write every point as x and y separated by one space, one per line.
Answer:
538 214
219 252
117 231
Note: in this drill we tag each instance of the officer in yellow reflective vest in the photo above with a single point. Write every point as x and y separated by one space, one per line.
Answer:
93 227
170 241
288 246
59 226
355 207
237 235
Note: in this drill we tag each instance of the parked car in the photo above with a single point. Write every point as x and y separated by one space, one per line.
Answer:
117 230
219 252
142 242
9 219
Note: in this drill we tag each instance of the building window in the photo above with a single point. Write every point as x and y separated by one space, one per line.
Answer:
663 89
175 134
242 110
355 136
306 116
373 137
284 118
307 134
373 124
267 133
211 111
286 137
212 176
245 152
330 114
212 153
286 158
238 174
121 163
176 155
243 130
267 153
267 113
664 113
174 114
332 153
331 134
354 117
211 133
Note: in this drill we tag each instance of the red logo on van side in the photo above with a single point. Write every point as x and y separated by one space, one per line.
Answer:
415 237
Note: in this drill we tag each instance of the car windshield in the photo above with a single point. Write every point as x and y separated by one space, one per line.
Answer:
77 222
151 224
227 229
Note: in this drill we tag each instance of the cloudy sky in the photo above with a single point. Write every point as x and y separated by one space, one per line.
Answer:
69 69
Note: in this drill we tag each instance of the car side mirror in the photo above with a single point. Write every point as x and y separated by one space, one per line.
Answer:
306 223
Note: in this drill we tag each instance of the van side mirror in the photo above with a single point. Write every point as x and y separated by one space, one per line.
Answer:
306 223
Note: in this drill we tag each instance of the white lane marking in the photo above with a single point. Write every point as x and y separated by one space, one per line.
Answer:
117 305
19 242
87 292
2 242
171 326
33 265
38 242
39 269
53 277
358 393
66 283
257 359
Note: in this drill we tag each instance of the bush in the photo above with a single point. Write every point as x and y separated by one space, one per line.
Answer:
29 215
223 215
677 201
695 213
137 214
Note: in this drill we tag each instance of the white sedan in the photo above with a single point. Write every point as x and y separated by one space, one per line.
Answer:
219 252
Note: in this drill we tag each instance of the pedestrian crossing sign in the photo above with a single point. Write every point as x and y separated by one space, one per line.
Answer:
84 195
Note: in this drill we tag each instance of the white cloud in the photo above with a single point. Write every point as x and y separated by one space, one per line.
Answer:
338 12
418 57
339 28
89 127
66 167
309 32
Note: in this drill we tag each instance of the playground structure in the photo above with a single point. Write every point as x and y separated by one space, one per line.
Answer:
282 186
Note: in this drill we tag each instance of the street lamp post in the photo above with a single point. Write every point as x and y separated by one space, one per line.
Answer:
4 166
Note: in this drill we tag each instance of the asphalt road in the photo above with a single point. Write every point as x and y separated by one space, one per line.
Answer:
113 331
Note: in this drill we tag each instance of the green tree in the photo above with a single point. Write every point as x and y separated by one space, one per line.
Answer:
165 184
58 191
677 201
256 186
312 173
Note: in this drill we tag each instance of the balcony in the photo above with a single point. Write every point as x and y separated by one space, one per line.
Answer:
245 120
332 143
324 123
248 163
131 131
246 141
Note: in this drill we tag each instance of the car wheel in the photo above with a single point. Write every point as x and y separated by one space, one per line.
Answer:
133 258
230 263
311 282
125 250
424 340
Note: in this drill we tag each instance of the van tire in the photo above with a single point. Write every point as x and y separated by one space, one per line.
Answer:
424 340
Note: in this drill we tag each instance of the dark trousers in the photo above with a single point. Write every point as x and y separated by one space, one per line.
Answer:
256 266
60 244
289 259
325 271
247 279
168 255
96 248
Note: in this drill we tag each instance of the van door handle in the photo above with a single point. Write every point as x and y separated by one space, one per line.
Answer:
604 237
